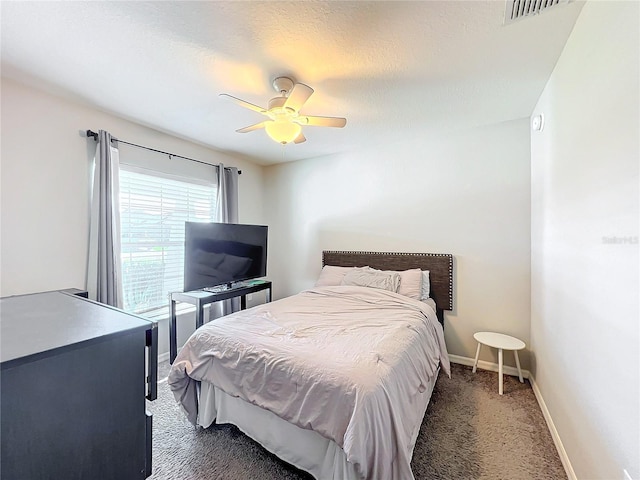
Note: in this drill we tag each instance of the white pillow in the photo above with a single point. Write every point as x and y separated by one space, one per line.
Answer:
426 285
330 276
373 279
410 282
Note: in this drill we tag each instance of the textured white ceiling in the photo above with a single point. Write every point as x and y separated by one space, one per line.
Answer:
393 69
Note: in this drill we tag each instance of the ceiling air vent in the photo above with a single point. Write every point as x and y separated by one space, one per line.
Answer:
517 9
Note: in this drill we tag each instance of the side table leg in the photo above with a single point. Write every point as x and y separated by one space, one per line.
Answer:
172 332
515 352
500 371
475 363
268 295
199 315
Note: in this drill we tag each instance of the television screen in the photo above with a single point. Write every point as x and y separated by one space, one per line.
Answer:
223 253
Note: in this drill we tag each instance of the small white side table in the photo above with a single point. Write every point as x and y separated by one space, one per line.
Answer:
501 342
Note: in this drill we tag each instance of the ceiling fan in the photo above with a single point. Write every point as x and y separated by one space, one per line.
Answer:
285 121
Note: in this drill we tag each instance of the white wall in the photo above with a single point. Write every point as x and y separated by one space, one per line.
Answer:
584 313
465 193
45 174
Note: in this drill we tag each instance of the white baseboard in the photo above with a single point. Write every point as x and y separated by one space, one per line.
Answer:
493 367
483 365
564 458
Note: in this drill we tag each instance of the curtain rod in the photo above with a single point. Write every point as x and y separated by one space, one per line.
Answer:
91 133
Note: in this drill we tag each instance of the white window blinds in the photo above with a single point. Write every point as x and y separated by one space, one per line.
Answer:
153 209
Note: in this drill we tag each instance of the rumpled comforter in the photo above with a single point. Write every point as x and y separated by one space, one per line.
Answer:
348 362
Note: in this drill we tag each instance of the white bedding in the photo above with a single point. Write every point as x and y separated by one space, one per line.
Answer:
306 449
353 364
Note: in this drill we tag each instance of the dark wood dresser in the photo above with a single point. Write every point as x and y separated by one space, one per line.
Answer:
74 378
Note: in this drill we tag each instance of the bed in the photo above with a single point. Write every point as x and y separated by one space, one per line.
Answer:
336 379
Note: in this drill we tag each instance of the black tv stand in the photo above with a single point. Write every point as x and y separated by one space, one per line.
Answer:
200 298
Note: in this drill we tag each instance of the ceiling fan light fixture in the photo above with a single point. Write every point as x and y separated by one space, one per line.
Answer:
282 130
285 122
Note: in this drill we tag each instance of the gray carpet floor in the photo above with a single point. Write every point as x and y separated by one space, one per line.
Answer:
469 432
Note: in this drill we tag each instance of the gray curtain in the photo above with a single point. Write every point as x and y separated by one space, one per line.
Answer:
227 212
227 204
104 275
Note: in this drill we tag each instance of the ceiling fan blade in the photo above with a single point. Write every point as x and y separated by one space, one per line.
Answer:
251 128
298 96
244 104
322 121
300 138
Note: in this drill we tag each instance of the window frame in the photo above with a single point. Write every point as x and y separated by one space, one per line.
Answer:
159 312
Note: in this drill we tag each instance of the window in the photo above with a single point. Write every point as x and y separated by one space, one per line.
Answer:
153 209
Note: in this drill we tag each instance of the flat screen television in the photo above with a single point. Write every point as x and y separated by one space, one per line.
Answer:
221 254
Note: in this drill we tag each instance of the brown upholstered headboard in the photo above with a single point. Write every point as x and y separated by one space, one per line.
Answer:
440 266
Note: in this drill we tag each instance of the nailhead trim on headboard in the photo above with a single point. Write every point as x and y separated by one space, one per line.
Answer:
440 266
